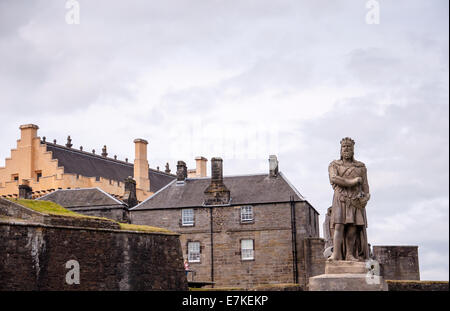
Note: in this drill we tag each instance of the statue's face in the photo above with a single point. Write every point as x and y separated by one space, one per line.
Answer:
347 151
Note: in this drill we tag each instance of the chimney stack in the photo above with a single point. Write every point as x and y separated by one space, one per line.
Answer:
129 196
200 166
141 164
181 171
217 193
28 133
273 166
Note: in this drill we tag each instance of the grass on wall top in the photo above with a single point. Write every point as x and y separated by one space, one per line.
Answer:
49 207
52 208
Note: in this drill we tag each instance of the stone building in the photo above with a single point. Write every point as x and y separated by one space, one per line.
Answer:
90 201
239 230
46 166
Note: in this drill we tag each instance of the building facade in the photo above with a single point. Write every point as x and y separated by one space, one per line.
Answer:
46 167
238 231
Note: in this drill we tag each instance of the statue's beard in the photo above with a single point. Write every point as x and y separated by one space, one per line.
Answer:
347 155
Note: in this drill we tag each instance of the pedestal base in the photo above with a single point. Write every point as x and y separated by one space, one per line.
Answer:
347 282
347 276
342 266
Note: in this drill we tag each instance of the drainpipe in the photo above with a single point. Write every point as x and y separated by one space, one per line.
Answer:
294 240
212 245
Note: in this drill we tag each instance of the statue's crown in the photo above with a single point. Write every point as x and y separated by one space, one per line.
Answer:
347 140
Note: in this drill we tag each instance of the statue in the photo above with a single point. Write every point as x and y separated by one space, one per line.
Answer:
348 220
328 234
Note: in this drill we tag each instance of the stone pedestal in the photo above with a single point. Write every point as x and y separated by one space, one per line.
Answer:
347 276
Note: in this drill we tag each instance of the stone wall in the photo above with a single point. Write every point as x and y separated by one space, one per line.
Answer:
397 285
270 230
398 262
33 257
35 247
314 260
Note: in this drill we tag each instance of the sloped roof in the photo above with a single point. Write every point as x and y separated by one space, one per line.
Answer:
92 165
84 197
245 189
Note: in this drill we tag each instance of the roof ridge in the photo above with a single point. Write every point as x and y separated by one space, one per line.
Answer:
98 156
291 186
154 194
82 152
228 176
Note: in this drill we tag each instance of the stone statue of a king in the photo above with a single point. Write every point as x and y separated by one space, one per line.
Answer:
348 220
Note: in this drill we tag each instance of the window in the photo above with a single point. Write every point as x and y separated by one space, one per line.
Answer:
247 250
38 175
15 177
246 213
194 251
187 217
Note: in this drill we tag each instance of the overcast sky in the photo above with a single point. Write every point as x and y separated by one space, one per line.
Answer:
243 80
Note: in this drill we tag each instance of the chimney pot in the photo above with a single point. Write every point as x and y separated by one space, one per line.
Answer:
167 170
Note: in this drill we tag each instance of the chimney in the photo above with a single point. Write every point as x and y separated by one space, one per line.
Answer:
141 164
217 193
129 196
273 166
25 191
28 133
200 166
181 171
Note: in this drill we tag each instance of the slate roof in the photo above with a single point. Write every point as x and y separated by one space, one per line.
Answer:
92 165
245 189
85 197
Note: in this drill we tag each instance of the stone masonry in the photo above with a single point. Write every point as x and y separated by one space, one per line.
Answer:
35 248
